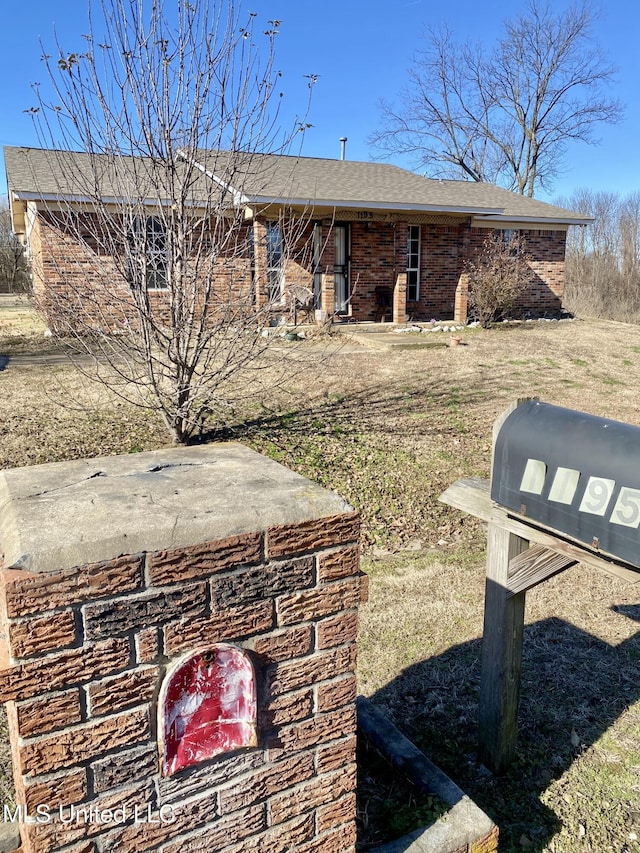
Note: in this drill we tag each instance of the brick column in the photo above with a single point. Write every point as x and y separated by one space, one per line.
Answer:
400 284
400 298
35 253
461 306
116 567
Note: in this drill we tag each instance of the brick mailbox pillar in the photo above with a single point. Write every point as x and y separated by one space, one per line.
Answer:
117 568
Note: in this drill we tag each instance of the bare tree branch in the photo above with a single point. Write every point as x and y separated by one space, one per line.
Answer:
504 116
159 282
15 270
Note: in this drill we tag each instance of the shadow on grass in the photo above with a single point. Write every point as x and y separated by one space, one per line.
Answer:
388 450
378 405
574 687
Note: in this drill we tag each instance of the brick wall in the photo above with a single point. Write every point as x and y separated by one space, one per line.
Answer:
546 289
378 257
546 281
442 258
240 551
82 282
375 262
444 249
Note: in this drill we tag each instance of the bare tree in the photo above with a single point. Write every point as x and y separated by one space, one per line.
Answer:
151 135
592 255
504 116
630 238
603 258
15 273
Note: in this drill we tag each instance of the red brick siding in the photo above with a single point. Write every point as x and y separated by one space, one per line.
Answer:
442 257
82 700
375 262
378 256
77 284
378 263
547 252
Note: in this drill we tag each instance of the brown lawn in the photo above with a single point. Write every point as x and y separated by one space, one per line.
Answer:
390 421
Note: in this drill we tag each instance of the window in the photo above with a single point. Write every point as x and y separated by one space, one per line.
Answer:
156 253
275 279
508 235
147 261
413 263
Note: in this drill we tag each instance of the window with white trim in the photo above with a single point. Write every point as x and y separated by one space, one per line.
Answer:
275 277
147 260
156 252
508 235
413 263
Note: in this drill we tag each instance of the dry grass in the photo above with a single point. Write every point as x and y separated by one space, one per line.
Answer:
21 329
390 429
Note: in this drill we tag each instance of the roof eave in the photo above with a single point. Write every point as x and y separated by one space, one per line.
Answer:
480 214
538 220
58 198
17 212
256 201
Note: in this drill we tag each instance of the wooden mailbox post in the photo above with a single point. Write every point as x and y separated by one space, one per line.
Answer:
565 489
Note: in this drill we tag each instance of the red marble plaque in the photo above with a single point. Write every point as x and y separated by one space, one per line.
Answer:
207 706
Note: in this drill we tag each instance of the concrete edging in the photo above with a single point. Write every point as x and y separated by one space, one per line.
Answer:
465 827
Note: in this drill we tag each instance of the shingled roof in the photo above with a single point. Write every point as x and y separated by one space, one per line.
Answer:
34 173
349 183
265 179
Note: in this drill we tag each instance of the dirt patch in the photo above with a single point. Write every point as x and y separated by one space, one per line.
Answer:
388 806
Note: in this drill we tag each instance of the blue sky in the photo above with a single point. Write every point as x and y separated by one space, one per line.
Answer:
361 50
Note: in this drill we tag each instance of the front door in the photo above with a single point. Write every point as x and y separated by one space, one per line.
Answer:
341 268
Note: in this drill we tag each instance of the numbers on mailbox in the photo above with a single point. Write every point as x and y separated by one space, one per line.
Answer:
564 485
597 493
627 508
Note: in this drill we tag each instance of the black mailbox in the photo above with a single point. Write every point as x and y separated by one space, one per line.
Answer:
574 473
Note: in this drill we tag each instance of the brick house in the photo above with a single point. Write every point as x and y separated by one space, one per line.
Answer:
370 241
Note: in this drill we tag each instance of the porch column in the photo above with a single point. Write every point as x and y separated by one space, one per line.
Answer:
328 285
461 302
400 284
34 244
260 263
461 307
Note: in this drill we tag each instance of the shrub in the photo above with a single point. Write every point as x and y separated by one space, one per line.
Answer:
497 277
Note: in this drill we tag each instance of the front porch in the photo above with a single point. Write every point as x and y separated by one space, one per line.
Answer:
363 267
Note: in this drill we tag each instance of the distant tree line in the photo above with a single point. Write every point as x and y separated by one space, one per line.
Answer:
15 271
603 258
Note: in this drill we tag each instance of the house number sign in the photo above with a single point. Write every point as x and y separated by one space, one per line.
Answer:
574 473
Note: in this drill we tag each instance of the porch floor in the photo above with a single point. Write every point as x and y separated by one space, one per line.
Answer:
400 335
